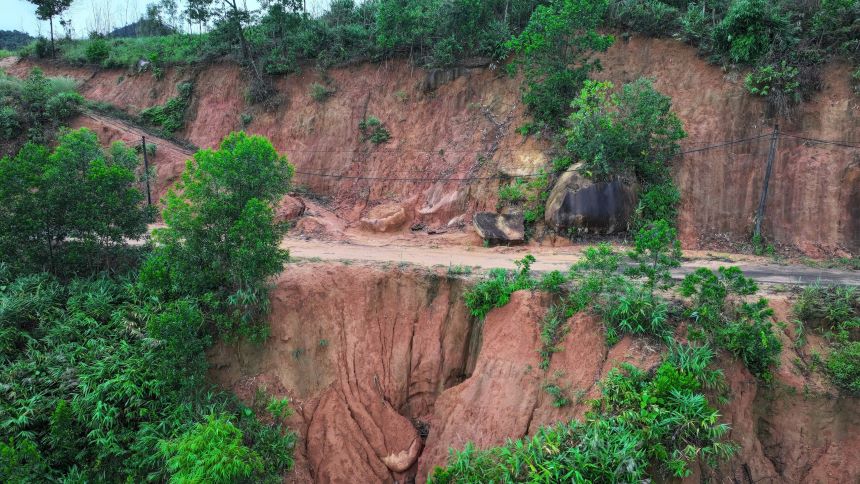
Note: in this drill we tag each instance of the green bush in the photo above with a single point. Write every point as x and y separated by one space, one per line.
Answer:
651 17
843 364
823 306
65 105
749 29
97 51
551 332
103 374
643 425
10 125
656 250
744 329
633 132
320 93
559 35
751 338
213 452
170 116
635 311
373 130
496 290
657 202
697 26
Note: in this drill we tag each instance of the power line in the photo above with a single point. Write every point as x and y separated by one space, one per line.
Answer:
498 177
844 144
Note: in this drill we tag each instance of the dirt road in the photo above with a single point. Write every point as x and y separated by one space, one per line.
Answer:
548 259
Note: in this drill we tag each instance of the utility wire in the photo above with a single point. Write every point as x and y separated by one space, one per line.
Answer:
844 144
496 177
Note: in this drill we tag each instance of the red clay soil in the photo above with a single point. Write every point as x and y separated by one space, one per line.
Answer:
465 127
371 354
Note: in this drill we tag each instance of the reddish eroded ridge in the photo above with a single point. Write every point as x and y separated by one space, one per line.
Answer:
461 124
387 372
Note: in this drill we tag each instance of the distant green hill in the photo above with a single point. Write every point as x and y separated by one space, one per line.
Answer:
143 28
13 40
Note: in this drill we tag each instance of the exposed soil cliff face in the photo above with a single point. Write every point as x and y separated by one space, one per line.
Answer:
460 123
362 351
812 202
367 352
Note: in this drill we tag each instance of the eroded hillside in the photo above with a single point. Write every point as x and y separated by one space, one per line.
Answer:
388 372
461 123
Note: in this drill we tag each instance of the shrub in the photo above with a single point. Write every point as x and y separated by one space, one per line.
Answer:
170 116
697 27
496 290
843 365
61 85
551 332
744 329
65 106
751 338
532 195
634 132
10 125
656 250
97 50
552 282
642 425
827 306
320 93
749 28
94 391
212 452
559 35
657 202
635 311
245 119
373 130
709 291
651 17
558 394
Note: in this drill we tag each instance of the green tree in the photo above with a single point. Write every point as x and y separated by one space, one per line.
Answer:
750 28
632 132
71 210
47 10
656 250
555 51
221 242
211 452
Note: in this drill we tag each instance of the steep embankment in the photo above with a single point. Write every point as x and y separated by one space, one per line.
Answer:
460 123
377 358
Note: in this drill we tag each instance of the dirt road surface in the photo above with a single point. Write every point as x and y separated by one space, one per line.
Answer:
548 259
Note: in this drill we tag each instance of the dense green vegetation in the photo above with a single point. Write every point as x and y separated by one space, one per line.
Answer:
632 135
221 242
784 43
102 364
170 116
835 312
34 108
645 423
72 210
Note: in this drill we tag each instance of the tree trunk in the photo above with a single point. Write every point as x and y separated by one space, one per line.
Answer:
51 22
246 50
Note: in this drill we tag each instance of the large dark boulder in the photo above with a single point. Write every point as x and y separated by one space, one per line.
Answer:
496 227
578 203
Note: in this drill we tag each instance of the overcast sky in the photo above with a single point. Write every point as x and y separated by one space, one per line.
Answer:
87 15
